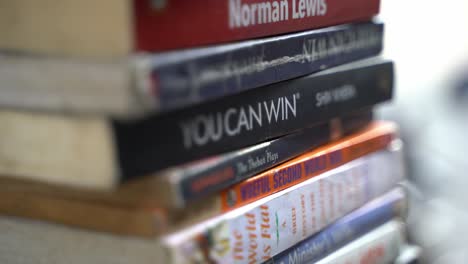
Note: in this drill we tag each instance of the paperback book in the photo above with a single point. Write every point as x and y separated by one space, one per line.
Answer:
352 226
249 118
124 150
172 80
380 246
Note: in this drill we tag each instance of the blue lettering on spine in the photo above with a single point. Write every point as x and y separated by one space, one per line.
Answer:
314 165
336 157
287 176
255 188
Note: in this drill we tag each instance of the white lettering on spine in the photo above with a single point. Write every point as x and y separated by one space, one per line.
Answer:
201 133
243 122
274 109
217 134
229 131
250 14
284 10
206 128
264 13
257 116
292 107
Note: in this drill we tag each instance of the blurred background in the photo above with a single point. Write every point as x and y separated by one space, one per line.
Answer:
429 42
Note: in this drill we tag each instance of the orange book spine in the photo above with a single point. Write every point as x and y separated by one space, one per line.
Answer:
376 137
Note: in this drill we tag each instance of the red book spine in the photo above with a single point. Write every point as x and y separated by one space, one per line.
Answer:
172 24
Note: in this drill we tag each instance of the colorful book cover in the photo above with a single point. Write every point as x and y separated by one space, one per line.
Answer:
359 222
261 230
376 137
139 210
181 185
163 24
380 246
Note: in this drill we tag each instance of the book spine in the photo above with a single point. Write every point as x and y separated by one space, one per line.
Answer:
237 166
257 232
345 230
119 220
381 246
173 80
162 25
301 169
156 142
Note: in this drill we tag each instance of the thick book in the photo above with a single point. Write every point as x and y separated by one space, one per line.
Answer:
361 221
122 150
261 230
161 82
111 29
136 212
380 246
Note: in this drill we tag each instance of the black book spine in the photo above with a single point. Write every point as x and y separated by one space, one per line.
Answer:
177 79
230 123
239 165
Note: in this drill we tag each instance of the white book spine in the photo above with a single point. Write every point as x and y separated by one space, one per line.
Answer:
380 246
258 231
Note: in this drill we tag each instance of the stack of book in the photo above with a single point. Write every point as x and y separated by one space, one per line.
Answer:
208 131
